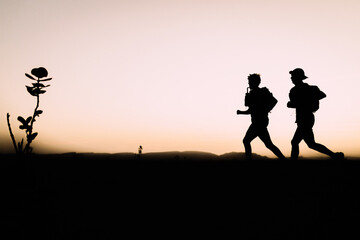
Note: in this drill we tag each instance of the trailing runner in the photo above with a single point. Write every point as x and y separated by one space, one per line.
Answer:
305 99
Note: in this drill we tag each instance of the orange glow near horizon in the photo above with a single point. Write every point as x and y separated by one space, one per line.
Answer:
170 75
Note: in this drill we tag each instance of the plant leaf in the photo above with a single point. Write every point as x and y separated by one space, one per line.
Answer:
38 112
32 136
47 79
42 91
38 85
31 90
20 145
28 120
29 76
23 127
21 119
39 72
36 91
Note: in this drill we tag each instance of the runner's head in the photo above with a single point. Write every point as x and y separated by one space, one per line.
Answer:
297 75
254 80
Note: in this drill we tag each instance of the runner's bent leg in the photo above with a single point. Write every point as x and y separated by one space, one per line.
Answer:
295 143
250 135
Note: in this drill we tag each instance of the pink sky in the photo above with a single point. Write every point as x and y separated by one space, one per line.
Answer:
170 75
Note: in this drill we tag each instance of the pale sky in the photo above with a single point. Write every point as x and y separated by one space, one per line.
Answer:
170 75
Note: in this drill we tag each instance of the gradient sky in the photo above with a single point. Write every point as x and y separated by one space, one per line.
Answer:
170 75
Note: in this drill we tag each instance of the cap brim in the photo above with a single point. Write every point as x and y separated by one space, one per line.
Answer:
303 76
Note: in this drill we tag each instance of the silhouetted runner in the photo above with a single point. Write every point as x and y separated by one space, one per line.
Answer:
305 99
260 102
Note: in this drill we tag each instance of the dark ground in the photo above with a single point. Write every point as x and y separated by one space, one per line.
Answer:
192 195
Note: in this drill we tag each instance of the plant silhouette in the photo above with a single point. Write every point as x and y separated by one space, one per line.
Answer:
140 149
27 124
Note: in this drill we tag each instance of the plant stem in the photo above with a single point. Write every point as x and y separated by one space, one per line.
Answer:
27 147
11 134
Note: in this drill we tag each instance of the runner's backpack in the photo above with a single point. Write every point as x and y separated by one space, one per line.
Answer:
313 98
262 99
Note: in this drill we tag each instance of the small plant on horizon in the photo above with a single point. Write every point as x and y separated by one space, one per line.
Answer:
27 124
140 150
